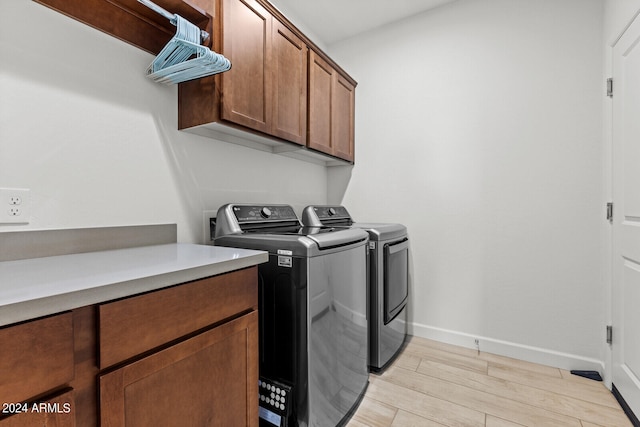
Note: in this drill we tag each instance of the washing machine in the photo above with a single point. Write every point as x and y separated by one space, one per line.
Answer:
388 279
313 314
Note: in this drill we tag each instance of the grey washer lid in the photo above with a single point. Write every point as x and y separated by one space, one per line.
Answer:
338 216
309 245
382 231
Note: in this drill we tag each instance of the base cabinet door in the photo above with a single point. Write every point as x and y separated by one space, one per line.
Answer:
53 412
206 380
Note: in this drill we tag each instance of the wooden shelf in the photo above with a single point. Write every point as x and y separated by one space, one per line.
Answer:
132 22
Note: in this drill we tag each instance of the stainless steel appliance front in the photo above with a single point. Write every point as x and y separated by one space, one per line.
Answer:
388 279
312 296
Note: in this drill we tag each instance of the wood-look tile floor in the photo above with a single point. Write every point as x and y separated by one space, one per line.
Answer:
436 384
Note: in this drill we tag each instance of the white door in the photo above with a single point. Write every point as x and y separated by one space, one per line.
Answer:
626 218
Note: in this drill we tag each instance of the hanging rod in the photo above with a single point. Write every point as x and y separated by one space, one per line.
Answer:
170 16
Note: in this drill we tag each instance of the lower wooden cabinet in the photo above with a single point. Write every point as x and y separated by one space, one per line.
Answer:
207 380
36 357
54 412
186 355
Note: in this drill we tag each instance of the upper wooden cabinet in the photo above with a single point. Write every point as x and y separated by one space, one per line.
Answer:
266 89
289 85
331 110
273 86
282 90
247 98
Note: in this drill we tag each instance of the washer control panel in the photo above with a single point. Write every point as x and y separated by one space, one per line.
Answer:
275 396
247 213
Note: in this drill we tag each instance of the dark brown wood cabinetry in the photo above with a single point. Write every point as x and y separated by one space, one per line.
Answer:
210 378
183 355
289 85
246 91
331 110
266 88
275 93
36 366
274 86
51 412
207 380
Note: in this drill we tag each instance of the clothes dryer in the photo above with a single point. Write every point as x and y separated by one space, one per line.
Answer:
388 280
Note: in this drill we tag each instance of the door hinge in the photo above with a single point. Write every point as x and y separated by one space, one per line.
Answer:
609 334
610 212
610 87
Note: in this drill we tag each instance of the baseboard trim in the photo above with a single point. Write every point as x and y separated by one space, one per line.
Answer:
625 407
527 353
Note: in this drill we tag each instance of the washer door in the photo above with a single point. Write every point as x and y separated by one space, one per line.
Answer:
396 278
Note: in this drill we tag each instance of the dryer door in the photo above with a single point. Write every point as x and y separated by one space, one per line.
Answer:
396 278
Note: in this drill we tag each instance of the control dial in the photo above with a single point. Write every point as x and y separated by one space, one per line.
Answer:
332 211
265 212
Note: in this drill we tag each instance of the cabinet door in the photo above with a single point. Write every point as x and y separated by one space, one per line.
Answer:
169 314
343 118
36 357
246 88
320 95
290 85
54 412
210 379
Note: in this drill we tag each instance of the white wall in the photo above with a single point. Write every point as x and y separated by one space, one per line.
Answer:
479 126
96 142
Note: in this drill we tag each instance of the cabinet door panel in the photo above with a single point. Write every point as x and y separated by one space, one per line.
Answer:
290 85
208 380
36 357
54 412
320 88
343 118
134 325
246 87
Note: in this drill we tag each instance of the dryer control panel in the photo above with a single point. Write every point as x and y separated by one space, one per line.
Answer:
250 213
331 212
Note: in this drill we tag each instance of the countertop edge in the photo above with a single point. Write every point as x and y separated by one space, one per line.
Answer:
49 305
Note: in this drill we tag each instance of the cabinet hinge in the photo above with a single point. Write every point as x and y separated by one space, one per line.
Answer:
610 212
609 334
610 87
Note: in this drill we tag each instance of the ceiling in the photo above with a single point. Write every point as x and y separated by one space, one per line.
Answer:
335 20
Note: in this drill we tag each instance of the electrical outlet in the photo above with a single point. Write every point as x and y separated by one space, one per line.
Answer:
15 206
206 226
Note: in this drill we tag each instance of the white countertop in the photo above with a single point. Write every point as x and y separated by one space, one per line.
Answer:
37 287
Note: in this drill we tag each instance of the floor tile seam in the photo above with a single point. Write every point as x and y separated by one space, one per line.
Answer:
429 396
489 358
478 391
523 381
